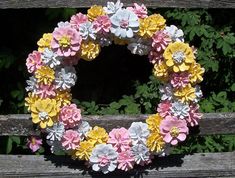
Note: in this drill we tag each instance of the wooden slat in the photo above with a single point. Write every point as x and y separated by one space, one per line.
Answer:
4 4
196 165
211 123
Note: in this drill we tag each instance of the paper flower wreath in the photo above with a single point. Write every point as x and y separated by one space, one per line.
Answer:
49 97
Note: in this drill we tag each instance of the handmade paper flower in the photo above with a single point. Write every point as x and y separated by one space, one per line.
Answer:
64 24
45 75
104 40
174 33
94 12
160 71
178 56
139 46
44 42
45 91
87 31
173 130
65 78
153 122
77 19
70 140
103 158
34 61
186 94
196 73
164 108
120 139
66 41
50 58
194 115
31 84
155 57
70 61
140 10
166 92
138 132
83 152
102 24
63 97
70 116
55 132
155 142
126 160
90 50
44 112
198 93
34 143
112 7
97 135
151 24
83 129
160 41
124 23
30 100
141 154
179 80
180 110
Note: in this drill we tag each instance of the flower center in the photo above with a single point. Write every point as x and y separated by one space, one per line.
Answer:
124 23
178 56
103 161
174 131
43 115
64 41
33 141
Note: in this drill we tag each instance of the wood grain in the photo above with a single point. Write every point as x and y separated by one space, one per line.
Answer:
211 123
16 4
196 165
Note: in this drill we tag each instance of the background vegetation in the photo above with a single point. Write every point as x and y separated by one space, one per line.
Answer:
118 82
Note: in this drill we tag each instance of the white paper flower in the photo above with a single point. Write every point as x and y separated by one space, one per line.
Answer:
166 92
86 31
124 23
141 154
103 158
50 58
104 40
180 110
139 46
138 132
65 78
32 84
64 24
198 93
55 132
174 33
83 129
112 7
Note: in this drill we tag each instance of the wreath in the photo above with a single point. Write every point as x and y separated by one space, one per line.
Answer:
53 75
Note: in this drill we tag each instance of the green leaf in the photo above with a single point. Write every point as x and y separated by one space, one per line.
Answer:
9 145
15 139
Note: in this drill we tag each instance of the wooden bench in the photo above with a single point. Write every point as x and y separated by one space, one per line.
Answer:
195 165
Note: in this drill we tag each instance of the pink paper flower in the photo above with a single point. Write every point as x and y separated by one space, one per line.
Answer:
155 56
70 116
34 61
125 160
102 24
46 91
140 10
78 19
70 140
34 143
173 130
179 80
66 41
164 108
160 41
194 115
120 139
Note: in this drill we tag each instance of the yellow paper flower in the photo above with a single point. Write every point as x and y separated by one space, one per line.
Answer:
89 51
45 75
63 98
94 12
97 135
179 56
44 42
196 73
186 94
30 100
151 24
44 112
155 142
161 71
83 152
153 122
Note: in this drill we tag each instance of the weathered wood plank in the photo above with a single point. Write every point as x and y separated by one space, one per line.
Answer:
196 165
211 123
4 4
